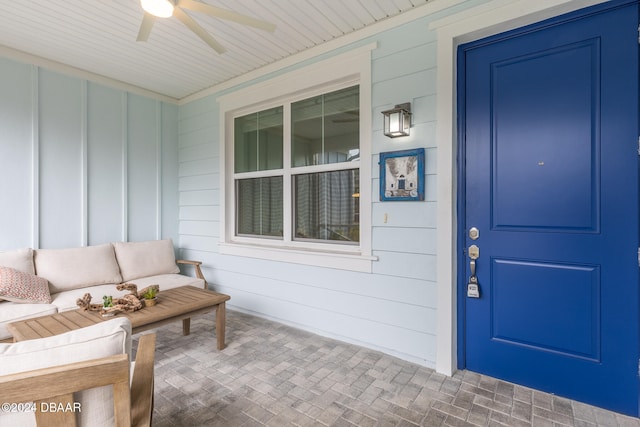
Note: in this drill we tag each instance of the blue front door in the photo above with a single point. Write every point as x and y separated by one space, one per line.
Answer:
549 144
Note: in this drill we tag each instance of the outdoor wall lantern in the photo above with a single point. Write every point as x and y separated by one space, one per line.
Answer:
397 121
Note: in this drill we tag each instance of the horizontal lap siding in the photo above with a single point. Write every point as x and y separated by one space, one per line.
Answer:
199 181
393 308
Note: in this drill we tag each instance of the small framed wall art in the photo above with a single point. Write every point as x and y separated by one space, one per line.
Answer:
402 175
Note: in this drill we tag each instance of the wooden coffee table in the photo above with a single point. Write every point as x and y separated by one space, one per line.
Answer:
174 304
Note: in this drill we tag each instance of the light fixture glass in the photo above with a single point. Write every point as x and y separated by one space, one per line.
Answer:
159 8
397 121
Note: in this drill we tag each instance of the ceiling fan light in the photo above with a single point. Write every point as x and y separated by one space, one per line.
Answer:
159 8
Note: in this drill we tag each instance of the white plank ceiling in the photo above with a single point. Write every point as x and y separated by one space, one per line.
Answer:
99 36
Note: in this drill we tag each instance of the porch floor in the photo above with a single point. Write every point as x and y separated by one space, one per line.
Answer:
275 375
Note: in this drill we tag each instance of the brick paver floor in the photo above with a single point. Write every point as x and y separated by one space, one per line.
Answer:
271 374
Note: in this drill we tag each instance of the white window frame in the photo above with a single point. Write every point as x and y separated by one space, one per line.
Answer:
342 71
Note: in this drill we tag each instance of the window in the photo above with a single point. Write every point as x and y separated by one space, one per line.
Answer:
323 167
296 166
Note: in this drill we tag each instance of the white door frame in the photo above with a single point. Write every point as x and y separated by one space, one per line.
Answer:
493 17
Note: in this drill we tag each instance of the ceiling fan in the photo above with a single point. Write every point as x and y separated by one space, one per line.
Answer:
154 9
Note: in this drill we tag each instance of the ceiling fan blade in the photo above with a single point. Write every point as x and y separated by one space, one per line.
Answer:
145 27
196 28
217 12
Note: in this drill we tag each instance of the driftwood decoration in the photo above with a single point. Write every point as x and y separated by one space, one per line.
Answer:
128 303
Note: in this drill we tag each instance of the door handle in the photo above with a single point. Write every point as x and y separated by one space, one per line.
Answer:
473 289
474 254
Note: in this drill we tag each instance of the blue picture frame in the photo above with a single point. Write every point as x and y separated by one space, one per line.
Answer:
402 175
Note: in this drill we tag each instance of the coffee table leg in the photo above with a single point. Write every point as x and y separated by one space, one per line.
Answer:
186 326
221 324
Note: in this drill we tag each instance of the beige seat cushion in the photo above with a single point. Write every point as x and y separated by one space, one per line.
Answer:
142 259
77 267
101 340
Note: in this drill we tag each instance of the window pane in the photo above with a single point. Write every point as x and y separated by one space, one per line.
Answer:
259 206
326 128
258 141
327 206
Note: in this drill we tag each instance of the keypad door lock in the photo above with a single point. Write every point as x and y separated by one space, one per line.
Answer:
473 289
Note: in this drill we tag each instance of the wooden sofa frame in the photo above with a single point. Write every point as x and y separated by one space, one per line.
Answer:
196 265
132 398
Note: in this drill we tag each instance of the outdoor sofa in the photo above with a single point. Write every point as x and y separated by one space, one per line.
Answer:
39 282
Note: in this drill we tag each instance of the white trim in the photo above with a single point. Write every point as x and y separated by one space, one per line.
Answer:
330 259
333 70
35 159
347 339
28 58
338 71
84 152
125 166
158 170
491 18
287 186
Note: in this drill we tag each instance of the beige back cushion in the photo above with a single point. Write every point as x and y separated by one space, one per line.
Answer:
20 259
77 267
142 259
96 341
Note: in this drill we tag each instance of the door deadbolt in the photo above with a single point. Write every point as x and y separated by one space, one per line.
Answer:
474 233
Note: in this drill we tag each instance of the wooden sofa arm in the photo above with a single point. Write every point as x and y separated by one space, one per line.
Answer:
57 384
196 265
142 382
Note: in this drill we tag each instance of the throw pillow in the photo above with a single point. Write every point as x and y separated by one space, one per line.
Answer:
20 259
18 286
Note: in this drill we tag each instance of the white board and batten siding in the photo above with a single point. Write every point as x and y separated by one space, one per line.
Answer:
81 163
